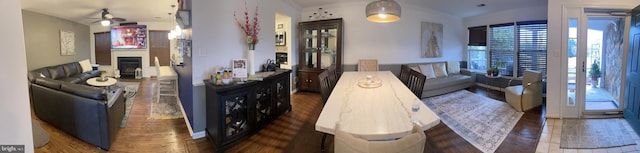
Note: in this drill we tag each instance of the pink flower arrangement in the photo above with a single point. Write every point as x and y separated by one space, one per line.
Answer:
250 29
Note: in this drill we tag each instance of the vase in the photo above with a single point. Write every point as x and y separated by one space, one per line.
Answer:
250 69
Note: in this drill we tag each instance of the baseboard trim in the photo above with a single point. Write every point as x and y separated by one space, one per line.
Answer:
186 119
199 135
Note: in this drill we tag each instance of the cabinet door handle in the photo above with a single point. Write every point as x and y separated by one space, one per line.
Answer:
310 80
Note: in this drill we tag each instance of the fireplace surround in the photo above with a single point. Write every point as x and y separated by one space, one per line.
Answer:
128 65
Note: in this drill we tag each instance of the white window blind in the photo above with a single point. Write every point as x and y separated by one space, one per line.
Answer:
532 46
501 47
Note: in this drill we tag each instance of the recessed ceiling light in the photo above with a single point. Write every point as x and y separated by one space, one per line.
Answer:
481 5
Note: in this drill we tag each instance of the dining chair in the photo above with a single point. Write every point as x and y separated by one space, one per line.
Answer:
333 76
415 82
405 71
325 86
368 65
412 143
528 95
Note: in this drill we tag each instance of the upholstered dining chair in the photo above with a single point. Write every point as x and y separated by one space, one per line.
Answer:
165 74
368 65
415 82
412 143
528 95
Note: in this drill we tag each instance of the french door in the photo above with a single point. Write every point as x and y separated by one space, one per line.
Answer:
595 61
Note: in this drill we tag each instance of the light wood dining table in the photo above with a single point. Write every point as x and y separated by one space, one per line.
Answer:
380 113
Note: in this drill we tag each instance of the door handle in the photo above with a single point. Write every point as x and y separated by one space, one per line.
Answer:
583 66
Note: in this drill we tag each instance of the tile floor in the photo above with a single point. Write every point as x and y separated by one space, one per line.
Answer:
550 141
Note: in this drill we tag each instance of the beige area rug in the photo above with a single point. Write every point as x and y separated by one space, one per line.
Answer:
482 121
594 133
168 106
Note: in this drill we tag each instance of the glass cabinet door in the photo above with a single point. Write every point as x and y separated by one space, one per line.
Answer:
328 45
310 47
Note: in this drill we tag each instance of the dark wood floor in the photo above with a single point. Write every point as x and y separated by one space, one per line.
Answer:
291 132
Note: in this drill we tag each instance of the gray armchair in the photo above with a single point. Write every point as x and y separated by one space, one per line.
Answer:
412 143
528 95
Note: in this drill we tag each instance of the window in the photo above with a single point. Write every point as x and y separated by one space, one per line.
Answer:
532 46
477 48
501 48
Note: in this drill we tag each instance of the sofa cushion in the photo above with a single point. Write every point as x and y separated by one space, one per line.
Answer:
440 70
49 83
72 79
453 67
84 91
71 68
85 65
427 70
443 82
56 72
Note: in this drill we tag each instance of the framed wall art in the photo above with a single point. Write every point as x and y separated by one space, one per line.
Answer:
431 43
67 43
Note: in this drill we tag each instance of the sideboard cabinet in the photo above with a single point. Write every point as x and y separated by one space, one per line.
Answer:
320 44
235 112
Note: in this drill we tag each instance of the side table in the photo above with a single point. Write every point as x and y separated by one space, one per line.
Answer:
492 78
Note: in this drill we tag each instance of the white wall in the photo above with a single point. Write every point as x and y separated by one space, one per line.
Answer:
217 39
508 16
556 57
147 71
393 43
15 114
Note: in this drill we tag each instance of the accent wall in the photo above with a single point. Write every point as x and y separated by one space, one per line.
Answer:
42 40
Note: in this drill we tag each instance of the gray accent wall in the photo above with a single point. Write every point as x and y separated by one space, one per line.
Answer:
42 40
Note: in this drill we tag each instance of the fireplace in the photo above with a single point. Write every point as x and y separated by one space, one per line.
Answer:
128 66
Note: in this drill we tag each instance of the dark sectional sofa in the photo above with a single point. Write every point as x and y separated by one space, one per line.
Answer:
60 97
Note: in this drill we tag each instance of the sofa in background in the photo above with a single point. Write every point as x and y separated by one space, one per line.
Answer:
59 96
442 78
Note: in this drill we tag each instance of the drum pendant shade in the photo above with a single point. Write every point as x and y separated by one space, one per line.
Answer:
383 11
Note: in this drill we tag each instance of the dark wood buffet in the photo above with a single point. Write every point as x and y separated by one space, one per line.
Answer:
235 112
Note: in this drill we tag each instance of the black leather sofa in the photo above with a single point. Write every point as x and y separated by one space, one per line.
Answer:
60 97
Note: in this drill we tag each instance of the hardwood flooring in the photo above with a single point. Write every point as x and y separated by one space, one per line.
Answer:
292 132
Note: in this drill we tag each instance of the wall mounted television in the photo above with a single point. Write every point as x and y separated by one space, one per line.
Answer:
129 37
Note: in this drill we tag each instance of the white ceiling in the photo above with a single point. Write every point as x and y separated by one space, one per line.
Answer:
459 8
88 11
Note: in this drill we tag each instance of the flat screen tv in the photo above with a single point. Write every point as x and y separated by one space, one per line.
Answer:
129 37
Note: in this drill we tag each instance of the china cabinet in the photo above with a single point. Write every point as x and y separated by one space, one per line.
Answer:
320 44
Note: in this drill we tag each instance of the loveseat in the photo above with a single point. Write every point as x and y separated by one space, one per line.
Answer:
60 97
443 78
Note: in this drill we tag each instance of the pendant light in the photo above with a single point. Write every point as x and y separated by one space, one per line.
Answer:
383 11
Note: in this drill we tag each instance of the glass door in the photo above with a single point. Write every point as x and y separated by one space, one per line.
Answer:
328 43
310 34
603 59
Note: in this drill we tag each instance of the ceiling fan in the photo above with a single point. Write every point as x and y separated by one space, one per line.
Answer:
108 19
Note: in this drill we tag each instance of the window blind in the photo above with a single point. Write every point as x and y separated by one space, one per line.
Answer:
501 47
478 36
532 46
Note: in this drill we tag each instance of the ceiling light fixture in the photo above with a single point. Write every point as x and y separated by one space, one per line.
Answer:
383 11
105 22
321 14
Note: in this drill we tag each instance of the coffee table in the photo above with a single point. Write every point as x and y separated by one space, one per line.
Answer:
110 82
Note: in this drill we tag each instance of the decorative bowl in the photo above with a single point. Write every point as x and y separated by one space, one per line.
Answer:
226 81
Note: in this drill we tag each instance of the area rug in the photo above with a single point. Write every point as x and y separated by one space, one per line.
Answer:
130 90
594 133
480 120
166 108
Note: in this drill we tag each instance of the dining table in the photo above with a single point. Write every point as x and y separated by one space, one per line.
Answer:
373 106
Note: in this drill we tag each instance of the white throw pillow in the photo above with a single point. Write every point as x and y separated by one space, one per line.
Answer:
440 70
427 70
86 65
454 67
415 68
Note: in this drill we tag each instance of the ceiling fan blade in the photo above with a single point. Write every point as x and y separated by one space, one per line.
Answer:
118 19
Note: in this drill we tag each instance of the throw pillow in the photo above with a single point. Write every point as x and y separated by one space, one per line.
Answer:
42 75
86 65
427 70
415 68
454 67
440 70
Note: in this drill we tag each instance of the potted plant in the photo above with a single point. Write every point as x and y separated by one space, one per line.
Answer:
594 73
497 64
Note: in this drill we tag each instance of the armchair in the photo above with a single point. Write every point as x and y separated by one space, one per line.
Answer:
528 95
